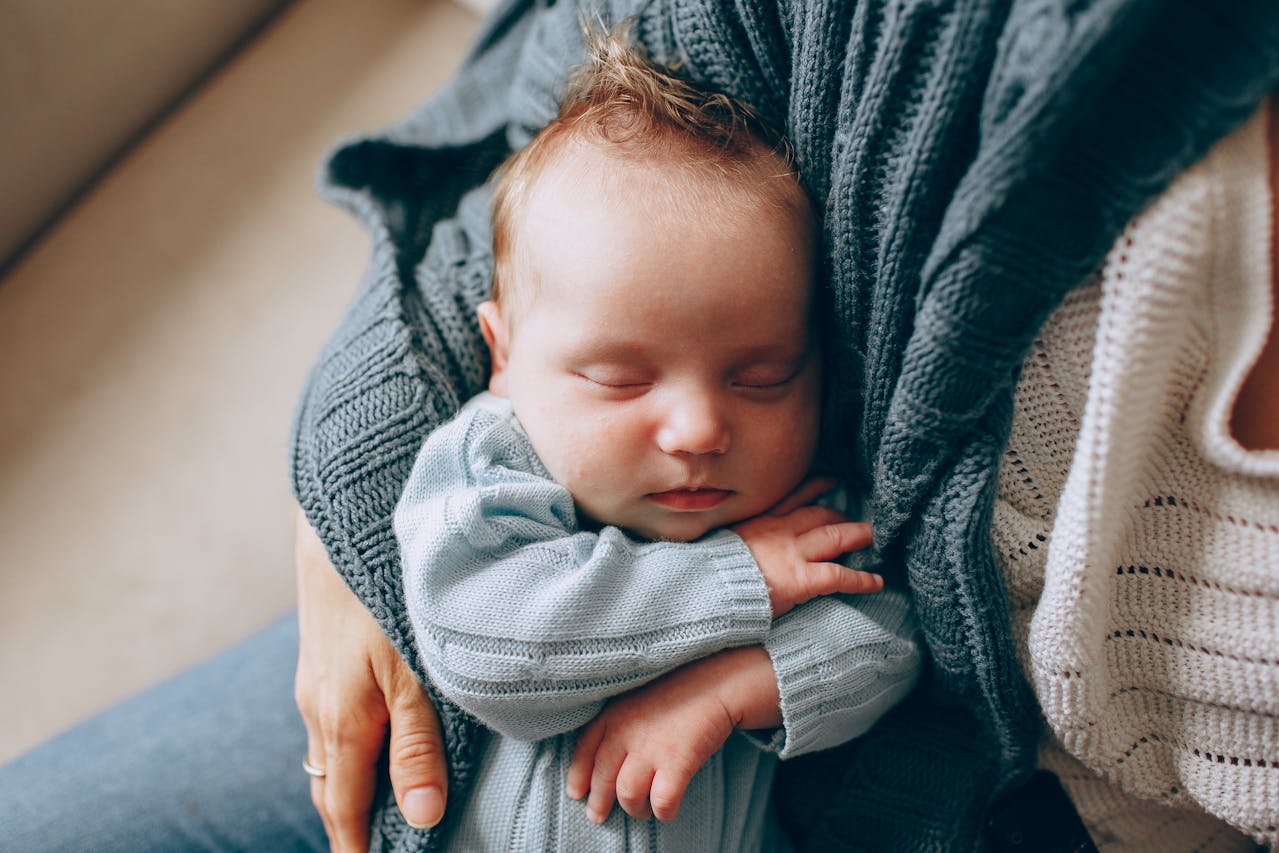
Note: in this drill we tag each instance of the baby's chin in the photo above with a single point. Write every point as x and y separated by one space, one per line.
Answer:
684 531
676 536
681 529
670 527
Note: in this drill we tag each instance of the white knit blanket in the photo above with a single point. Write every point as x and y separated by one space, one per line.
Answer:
1146 599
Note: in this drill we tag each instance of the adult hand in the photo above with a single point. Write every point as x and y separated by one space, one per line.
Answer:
351 687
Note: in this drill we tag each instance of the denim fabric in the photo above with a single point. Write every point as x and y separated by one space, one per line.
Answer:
209 760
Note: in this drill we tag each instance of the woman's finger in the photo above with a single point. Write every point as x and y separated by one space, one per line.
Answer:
341 702
351 752
419 773
314 761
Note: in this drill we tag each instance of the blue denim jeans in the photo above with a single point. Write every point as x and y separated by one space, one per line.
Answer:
209 760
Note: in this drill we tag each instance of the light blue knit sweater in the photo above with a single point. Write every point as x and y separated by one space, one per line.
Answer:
530 622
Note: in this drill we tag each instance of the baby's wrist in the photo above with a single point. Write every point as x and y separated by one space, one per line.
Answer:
747 686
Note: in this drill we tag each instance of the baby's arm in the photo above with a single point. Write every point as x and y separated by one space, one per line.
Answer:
529 623
646 746
828 671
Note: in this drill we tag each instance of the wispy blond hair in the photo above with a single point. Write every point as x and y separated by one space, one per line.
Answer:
620 101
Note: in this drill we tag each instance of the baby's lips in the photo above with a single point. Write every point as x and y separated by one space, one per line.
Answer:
690 500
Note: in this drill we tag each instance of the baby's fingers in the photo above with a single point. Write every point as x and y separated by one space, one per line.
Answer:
806 518
633 783
828 578
668 793
830 540
604 783
583 762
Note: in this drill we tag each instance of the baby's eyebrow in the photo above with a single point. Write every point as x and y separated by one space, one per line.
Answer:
610 349
597 346
789 350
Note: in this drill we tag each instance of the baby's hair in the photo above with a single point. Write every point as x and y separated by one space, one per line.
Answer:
621 98
620 101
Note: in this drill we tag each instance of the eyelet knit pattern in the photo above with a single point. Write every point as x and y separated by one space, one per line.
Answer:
1147 603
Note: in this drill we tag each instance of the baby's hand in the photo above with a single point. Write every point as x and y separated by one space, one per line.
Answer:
794 548
645 746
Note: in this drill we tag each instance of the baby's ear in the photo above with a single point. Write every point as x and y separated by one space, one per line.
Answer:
494 329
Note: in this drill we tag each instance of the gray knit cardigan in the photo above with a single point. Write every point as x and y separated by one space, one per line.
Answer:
972 160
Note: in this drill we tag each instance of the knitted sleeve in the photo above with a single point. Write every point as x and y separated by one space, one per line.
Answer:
842 662
529 622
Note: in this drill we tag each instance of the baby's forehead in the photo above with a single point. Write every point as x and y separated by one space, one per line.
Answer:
676 156
678 178
590 203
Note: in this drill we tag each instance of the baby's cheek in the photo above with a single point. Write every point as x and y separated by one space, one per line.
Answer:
584 466
783 462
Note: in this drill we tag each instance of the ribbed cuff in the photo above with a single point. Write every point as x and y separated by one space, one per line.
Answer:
744 589
839 668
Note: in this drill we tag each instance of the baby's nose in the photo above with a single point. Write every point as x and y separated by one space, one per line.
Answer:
694 425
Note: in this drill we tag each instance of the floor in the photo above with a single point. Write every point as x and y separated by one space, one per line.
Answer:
151 348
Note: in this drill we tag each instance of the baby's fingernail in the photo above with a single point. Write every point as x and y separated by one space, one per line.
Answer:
595 816
574 793
423 807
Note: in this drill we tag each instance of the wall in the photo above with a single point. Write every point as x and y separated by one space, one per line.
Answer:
79 80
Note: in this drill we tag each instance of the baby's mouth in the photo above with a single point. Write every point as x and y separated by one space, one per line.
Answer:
690 500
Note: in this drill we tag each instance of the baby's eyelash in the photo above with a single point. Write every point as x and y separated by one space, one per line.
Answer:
614 385
765 385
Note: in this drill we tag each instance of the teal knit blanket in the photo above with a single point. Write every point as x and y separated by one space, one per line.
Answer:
973 160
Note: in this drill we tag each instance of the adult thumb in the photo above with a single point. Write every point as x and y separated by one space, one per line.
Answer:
419 772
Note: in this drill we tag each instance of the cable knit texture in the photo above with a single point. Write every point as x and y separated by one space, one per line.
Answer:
530 622
972 160
1154 643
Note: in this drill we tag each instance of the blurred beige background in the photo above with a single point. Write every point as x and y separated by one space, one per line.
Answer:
153 339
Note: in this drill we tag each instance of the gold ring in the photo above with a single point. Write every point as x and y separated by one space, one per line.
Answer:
311 770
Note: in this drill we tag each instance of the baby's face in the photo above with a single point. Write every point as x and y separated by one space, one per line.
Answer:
664 367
